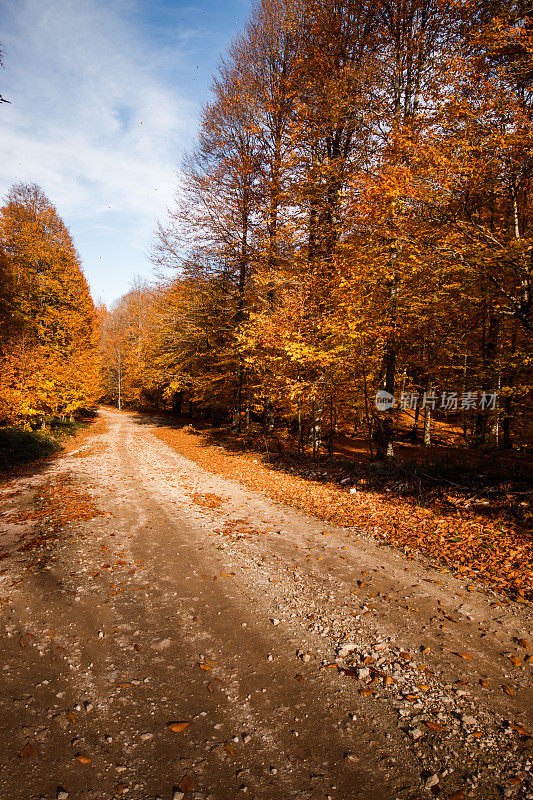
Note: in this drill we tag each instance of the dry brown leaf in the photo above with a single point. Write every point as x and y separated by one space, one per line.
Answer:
466 656
186 784
28 751
434 726
523 643
517 728
177 727
83 759
515 661
460 795
366 692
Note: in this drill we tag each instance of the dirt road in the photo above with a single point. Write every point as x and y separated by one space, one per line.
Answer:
306 661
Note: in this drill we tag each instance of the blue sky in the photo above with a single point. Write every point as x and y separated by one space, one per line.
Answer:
105 98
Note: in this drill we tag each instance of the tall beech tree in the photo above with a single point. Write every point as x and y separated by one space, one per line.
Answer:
48 344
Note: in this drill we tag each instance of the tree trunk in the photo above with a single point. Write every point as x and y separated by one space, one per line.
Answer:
427 420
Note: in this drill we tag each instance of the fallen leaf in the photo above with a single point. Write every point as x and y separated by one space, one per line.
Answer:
83 759
466 656
28 751
177 727
229 748
460 795
434 726
366 692
186 784
523 643
517 728
515 661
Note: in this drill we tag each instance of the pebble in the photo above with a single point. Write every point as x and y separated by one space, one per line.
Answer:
346 649
432 780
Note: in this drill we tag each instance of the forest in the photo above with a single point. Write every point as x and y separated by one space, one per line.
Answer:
355 216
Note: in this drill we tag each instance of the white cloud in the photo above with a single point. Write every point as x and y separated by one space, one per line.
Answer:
89 120
82 75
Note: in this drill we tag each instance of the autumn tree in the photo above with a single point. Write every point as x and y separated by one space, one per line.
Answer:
357 216
127 342
49 333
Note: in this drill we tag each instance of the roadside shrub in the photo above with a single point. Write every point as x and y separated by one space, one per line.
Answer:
18 446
